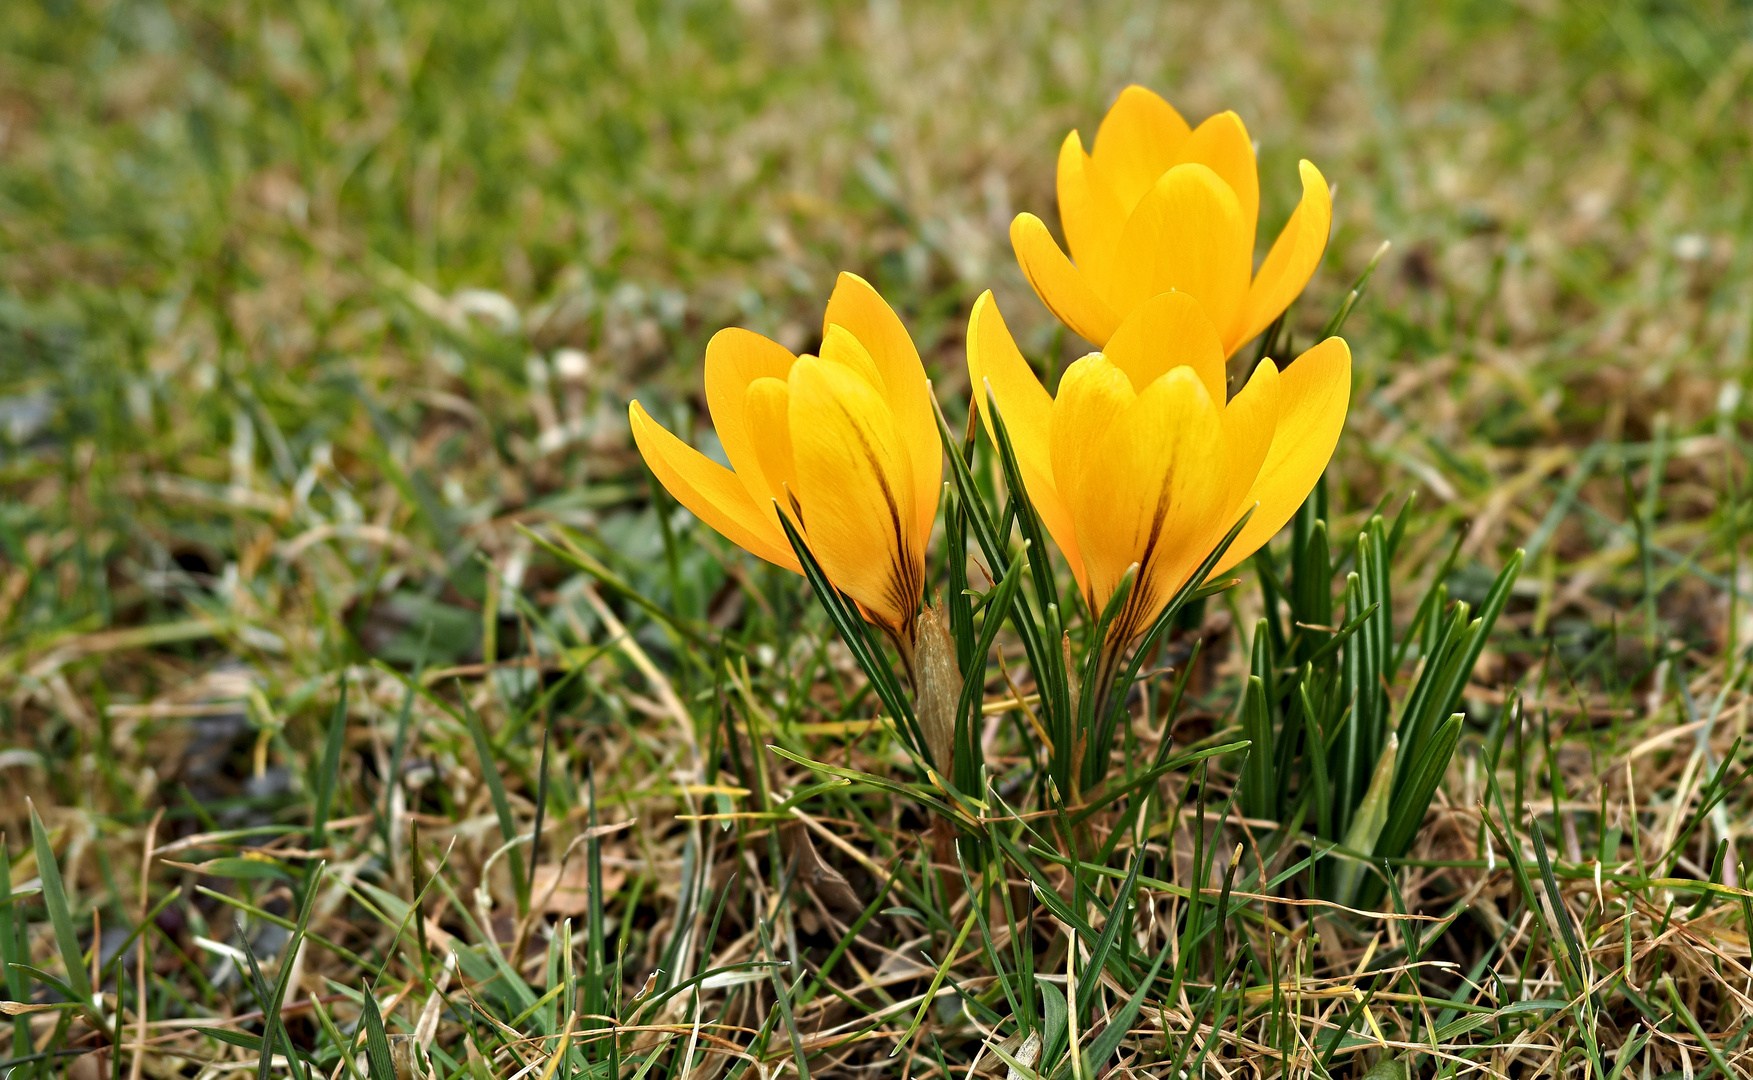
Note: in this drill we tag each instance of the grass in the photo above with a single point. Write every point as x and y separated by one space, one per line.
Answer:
305 489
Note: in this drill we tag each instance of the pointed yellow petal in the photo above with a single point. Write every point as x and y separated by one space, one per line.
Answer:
840 347
1290 263
858 307
1060 285
1313 395
734 359
1249 422
855 484
1089 213
1186 234
767 411
1168 331
1138 141
710 491
1222 144
993 359
1153 494
1092 393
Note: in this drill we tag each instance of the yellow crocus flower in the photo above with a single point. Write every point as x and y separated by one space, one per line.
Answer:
1156 206
1140 460
843 443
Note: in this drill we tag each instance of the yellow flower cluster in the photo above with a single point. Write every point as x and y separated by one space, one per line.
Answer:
1142 458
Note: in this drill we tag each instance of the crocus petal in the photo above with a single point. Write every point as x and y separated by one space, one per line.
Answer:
1092 393
1250 421
710 491
734 359
1290 263
856 487
840 347
1222 144
1187 235
1168 331
1313 393
1138 141
1061 286
993 360
1152 494
1089 212
767 409
857 307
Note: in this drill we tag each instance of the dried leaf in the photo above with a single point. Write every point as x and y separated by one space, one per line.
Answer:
568 893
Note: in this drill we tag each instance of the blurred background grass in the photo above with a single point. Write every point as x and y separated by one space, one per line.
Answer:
246 244
306 306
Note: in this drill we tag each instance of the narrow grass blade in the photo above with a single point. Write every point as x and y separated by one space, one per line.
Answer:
378 1063
1168 765
1350 753
1272 597
1086 993
943 971
1378 631
1092 718
1365 834
1044 891
1046 589
865 651
501 805
60 918
1195 583
1432 598
1512 854
596 993
1179 693
330 769
1441 662
918 794
1489 610
986 533
13 951
1555 899
974 674
982 897
404 720
272 1024
1718 788
1108 1041
49 980
1320 784
961 606
1258 783
1311 585
232 1038
1048 660
1337 322
994 547
272 1030
1412 796
283 923
1632 1050
1054 1017
570 548
1692 1025
541 809
1339 637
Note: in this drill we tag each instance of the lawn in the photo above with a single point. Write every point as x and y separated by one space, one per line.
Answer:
364 696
